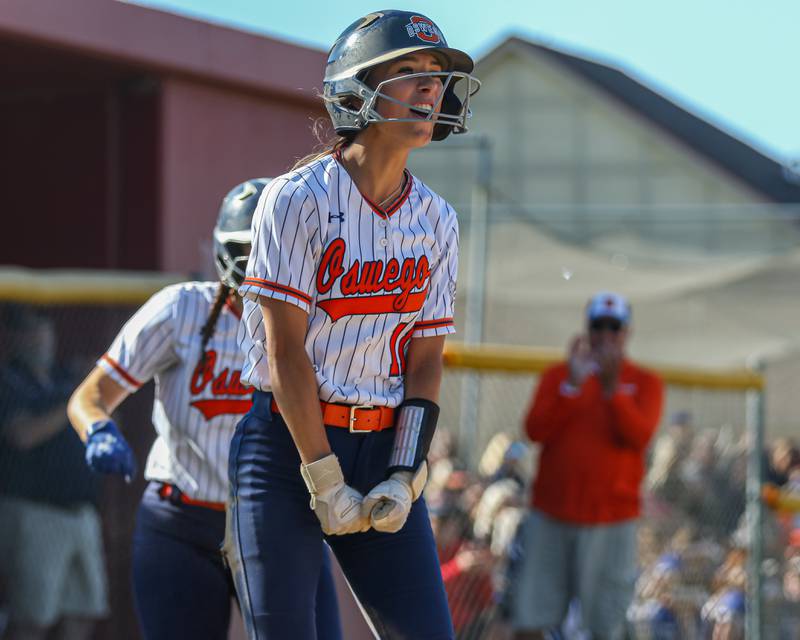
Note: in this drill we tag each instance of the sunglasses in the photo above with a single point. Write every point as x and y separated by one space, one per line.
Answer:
606 324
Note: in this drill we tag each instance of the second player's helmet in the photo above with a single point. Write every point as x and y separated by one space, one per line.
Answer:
382 36
232 235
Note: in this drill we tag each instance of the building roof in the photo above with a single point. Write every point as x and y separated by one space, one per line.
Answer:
760 172
165 43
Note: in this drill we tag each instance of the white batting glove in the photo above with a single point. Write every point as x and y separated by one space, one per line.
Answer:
388 504
337 505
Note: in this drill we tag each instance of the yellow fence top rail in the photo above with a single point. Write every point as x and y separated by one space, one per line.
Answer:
514 359
75 286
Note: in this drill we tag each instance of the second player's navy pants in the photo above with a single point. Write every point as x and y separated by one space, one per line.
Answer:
182 589
273 539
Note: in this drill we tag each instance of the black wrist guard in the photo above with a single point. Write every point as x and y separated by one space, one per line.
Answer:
414 428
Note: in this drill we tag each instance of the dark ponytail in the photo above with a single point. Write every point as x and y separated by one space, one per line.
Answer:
223 293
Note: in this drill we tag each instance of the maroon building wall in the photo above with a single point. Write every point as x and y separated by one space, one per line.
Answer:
123 127
77 159
133 207
46 167
213 139
79 172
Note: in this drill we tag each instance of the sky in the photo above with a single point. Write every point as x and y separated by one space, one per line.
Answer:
735 63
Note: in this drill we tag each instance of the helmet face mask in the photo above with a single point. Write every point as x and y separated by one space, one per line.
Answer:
357 101
382 37
231 252
232 234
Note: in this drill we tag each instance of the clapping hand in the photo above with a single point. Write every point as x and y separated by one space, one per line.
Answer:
609 360
581 361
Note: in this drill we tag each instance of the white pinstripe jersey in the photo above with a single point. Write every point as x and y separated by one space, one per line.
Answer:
195 411
369 279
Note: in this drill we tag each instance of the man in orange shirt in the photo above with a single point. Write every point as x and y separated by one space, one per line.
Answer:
593 417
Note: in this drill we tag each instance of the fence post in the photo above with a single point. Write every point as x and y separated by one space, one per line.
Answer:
475 307
755 511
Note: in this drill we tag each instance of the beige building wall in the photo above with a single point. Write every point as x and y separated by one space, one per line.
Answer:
557 140
588 194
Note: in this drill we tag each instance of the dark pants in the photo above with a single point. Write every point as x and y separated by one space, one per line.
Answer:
182 589
273 537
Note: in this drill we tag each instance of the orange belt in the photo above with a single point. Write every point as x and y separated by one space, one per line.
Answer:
356 417
168 492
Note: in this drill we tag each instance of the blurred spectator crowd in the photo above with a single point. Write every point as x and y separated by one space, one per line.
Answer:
693 536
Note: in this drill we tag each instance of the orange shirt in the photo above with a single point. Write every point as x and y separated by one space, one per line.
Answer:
593 448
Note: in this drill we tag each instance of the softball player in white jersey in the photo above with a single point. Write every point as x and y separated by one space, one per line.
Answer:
184 337
348 297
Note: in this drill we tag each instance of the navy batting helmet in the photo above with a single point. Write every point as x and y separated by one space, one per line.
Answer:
232 235
382 36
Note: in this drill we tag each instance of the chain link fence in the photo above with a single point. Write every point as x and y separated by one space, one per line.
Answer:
714 286
694 536
77 525
698 305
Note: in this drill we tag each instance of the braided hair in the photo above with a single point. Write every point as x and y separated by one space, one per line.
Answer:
223 293
232 228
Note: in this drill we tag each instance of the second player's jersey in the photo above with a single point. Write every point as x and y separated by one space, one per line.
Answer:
195 409
369 279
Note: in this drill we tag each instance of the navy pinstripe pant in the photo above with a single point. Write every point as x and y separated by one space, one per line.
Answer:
273 538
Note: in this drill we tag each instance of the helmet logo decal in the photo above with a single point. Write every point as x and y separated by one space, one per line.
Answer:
423 29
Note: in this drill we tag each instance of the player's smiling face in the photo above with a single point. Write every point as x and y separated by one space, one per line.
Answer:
421 92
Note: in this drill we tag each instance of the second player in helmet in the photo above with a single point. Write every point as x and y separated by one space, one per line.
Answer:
185 338
348 297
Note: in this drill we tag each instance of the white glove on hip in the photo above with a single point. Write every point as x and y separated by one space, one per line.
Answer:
388 504
336 505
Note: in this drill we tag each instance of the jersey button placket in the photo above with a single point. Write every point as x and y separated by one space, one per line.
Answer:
385 241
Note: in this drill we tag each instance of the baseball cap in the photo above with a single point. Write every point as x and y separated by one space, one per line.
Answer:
608 305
